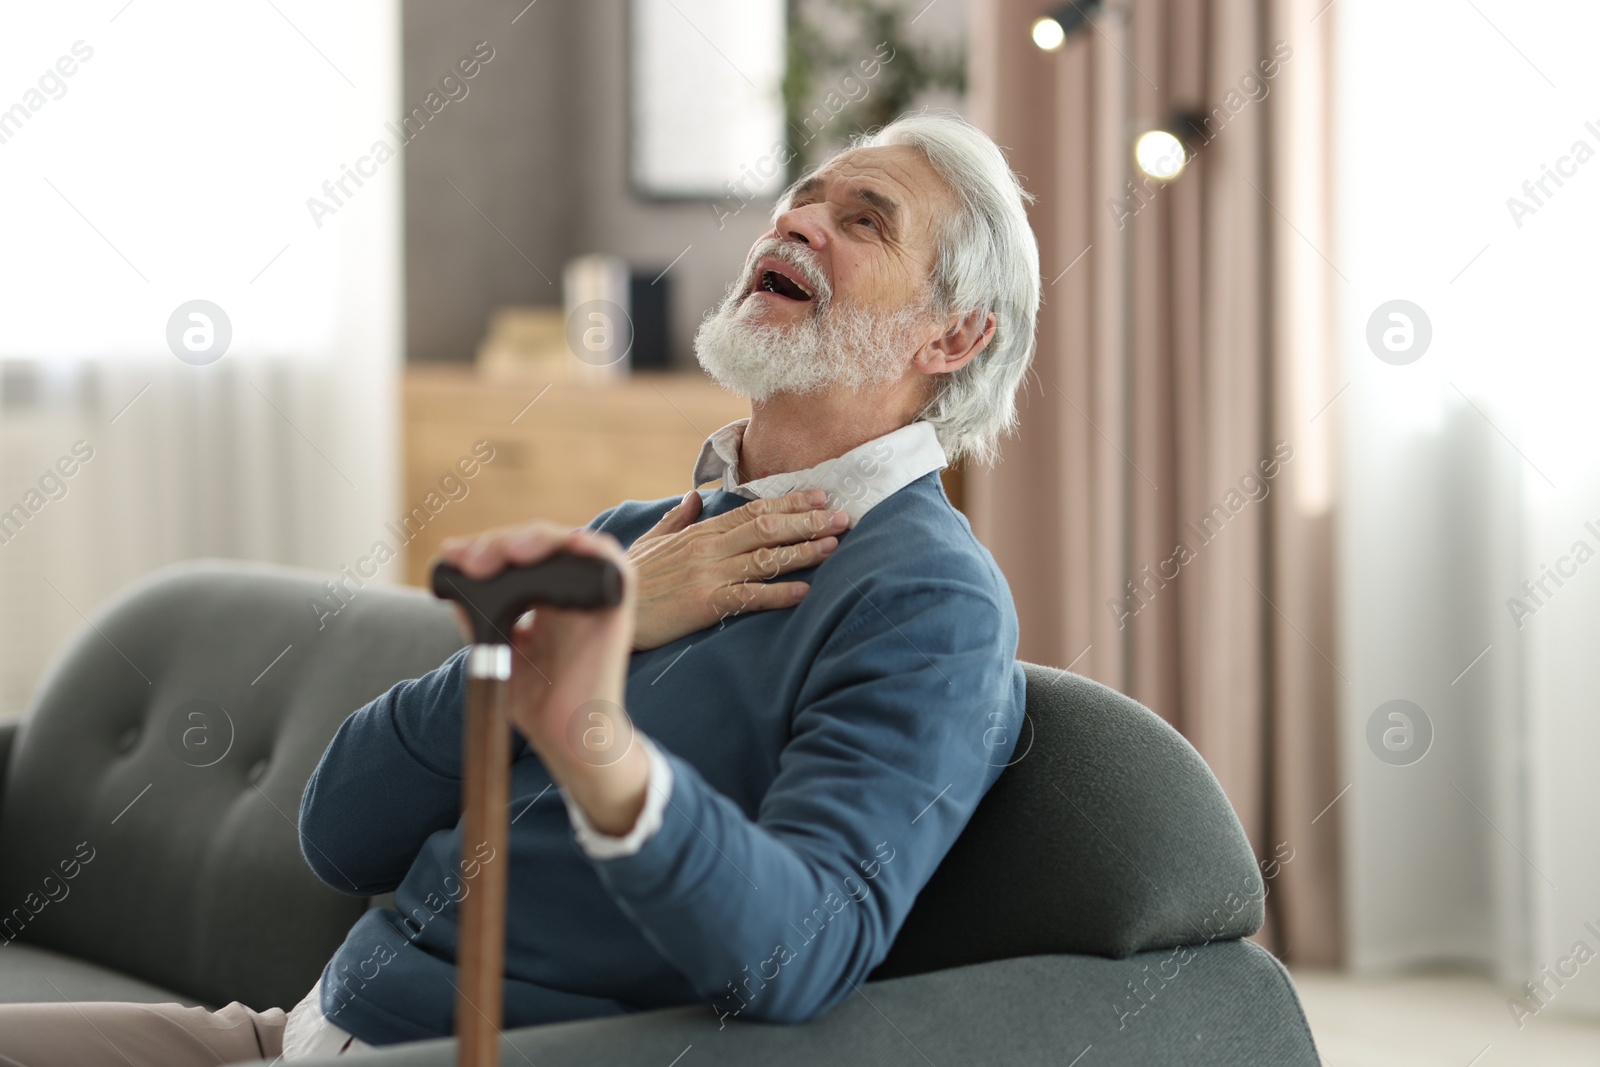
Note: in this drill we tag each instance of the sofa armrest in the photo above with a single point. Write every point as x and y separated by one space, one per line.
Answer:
1106 835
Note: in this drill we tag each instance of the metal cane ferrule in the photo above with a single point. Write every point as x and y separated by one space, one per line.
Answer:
489 661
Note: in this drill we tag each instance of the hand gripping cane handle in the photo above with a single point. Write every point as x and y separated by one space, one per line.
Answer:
566 580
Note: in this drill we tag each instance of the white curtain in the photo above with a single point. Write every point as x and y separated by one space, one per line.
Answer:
1468 179
155 154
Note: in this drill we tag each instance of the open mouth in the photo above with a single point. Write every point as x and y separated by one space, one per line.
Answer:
773 279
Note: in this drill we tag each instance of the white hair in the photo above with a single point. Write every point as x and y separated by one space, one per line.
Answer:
988 261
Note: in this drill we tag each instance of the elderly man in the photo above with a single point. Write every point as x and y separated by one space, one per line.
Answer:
730 789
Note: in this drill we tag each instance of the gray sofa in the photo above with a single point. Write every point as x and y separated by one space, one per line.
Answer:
163 761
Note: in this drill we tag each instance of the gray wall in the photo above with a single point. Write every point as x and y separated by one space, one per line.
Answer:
538 145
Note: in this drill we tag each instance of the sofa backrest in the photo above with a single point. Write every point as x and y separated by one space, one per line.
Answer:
1106 834
162 764
148 818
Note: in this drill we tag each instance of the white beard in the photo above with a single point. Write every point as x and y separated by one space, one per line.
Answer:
833 346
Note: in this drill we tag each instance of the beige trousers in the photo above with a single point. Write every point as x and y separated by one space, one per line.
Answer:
124 1034
120 1033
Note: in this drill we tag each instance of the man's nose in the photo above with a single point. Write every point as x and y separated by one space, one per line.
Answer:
805 224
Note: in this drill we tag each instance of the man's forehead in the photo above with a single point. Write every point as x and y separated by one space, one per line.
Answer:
898 171
896 162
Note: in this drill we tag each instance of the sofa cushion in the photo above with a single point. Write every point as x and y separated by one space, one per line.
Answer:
149 818
29 975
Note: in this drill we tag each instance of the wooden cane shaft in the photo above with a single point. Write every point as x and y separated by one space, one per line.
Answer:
486 802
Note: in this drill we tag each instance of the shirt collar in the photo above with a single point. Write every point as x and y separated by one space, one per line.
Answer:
855 482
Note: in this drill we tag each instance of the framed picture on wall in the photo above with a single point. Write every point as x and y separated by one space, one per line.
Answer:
705 98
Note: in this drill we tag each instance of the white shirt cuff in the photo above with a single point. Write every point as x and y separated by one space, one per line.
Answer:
658 788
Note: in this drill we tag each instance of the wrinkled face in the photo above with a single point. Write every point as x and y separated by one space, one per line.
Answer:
837 292
864 228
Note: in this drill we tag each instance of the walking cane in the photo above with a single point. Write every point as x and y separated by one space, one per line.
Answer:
566 580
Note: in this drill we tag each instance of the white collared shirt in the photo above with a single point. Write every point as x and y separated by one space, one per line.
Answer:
855 482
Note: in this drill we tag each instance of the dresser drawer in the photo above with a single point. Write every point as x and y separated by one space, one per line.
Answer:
564 452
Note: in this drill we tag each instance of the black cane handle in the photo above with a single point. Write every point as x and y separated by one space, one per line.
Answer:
565 580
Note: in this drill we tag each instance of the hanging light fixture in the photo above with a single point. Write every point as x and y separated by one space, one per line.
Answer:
1160 155
1051 31
1048 34
1161 152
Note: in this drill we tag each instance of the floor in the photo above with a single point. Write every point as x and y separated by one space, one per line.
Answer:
1442 1020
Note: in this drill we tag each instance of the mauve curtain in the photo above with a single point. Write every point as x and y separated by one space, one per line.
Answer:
1165 514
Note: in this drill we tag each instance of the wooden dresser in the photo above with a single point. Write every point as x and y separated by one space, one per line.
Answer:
566 451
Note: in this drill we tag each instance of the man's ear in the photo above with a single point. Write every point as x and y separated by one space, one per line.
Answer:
967 335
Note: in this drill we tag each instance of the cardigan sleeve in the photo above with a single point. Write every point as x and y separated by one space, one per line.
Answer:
401 753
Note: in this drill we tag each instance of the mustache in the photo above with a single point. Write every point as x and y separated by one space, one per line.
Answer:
792 255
